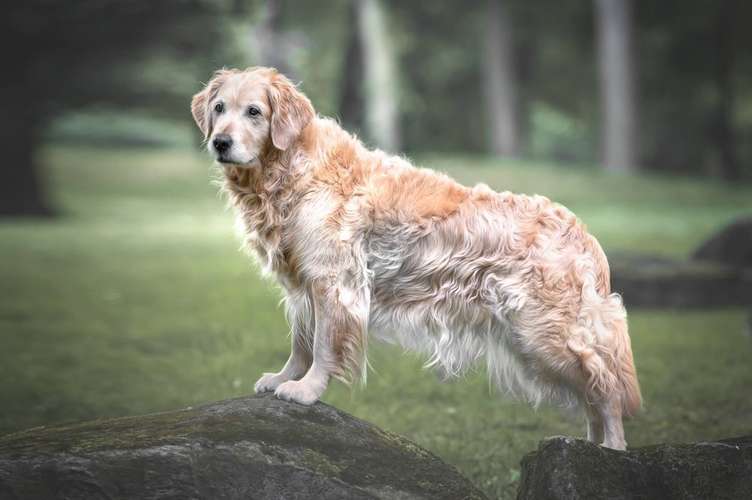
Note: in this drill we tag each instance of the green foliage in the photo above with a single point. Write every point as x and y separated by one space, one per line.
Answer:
96 59
69 56
119 128
441 104
554 134
137 300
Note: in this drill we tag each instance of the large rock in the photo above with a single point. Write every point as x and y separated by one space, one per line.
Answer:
567 468
731 246
659 282
249 448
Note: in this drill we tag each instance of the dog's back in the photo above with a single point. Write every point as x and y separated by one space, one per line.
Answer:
469 273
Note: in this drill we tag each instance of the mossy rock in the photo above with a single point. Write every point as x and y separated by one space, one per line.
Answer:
660 282
731 246
567 468
253 447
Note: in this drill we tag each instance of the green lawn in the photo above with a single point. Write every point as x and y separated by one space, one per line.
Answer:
137 299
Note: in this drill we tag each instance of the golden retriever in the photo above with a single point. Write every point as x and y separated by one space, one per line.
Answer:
365 243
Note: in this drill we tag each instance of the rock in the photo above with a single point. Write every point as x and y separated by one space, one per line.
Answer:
567 468
731 246
660 282
253 447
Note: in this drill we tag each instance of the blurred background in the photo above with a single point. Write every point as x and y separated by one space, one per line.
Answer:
122 287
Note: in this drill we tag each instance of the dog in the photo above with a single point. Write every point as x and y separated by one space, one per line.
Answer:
364 243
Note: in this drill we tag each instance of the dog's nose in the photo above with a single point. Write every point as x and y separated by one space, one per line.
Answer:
222 142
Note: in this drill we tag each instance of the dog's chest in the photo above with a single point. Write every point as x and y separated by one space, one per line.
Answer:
303 242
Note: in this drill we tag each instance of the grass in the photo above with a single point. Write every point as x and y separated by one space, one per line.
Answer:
137 300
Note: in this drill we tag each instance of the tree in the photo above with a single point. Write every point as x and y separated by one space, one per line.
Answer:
264 42
694 87
614 29
66 56
380 76
351 90
724 129
499 72
268 36
439 62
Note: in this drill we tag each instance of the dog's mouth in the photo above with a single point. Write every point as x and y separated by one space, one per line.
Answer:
229 162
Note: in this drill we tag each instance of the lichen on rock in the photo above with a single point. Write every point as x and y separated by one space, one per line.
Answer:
252 447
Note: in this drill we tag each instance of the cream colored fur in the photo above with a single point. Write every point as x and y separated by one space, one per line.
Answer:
363 242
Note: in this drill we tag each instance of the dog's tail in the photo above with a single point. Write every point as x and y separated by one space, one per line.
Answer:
607 358
621 359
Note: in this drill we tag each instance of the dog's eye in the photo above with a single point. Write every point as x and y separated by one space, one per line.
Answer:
219 107
253 111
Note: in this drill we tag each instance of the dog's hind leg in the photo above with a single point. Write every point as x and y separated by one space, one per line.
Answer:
601 341
594 424
602 400
613 428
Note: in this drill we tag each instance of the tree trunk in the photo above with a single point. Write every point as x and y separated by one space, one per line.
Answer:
526 53
21 189
724 132
351 93
380 83
500 81
614 27
270 45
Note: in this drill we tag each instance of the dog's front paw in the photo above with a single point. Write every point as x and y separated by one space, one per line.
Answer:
268 382
298 391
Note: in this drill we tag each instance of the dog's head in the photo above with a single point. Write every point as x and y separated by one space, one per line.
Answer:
245 113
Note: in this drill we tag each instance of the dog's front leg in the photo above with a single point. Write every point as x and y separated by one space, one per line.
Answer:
297 365
300 317
341 318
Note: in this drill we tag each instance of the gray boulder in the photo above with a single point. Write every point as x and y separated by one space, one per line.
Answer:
250 448
731 246
567 468
660 282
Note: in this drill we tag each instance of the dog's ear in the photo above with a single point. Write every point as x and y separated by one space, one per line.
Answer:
291 112
199 111
200 103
